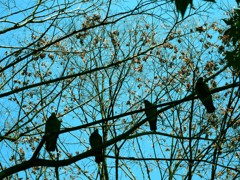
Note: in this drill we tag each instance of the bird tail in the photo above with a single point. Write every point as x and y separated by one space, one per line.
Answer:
98 159
210 109
153 127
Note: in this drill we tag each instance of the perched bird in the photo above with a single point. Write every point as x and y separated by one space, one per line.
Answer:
52 129
204 95
96 141
151 113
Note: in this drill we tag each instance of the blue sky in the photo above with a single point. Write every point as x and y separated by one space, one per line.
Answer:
70 142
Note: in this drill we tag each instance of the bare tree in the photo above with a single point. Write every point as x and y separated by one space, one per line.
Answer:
93 63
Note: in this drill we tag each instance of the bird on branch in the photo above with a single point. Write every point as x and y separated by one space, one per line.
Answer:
95 142
204 95
151 113
52 129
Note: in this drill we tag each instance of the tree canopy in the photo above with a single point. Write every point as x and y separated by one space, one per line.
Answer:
94 64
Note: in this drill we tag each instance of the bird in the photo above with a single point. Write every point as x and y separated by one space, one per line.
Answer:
52 129
95 142
151 113
204 95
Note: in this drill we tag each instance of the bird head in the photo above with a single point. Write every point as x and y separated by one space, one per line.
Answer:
95 131
200 79
53 114
146 102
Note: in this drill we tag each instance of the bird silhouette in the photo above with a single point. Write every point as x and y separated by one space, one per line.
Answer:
96 141
204 95
151 113
52 129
